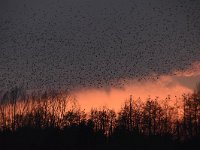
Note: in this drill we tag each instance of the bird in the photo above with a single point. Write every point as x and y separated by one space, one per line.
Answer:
85 44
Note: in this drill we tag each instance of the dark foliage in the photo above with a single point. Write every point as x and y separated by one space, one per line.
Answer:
53 120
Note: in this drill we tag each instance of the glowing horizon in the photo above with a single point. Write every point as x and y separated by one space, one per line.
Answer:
174 84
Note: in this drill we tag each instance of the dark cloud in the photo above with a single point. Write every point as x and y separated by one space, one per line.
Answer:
95 43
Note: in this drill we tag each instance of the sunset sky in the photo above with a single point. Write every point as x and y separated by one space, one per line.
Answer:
103 51
175 85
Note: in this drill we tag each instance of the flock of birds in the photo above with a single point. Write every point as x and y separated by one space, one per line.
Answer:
95 43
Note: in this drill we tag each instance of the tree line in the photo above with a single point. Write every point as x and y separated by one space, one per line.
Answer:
58 114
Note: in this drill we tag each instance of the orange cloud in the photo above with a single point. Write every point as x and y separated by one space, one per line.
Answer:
174 84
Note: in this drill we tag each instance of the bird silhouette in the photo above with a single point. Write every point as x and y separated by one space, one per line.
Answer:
75 44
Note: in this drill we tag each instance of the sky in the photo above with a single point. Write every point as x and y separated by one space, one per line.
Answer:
173 86
113 47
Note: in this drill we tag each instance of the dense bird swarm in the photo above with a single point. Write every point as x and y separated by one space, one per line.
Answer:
95 43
